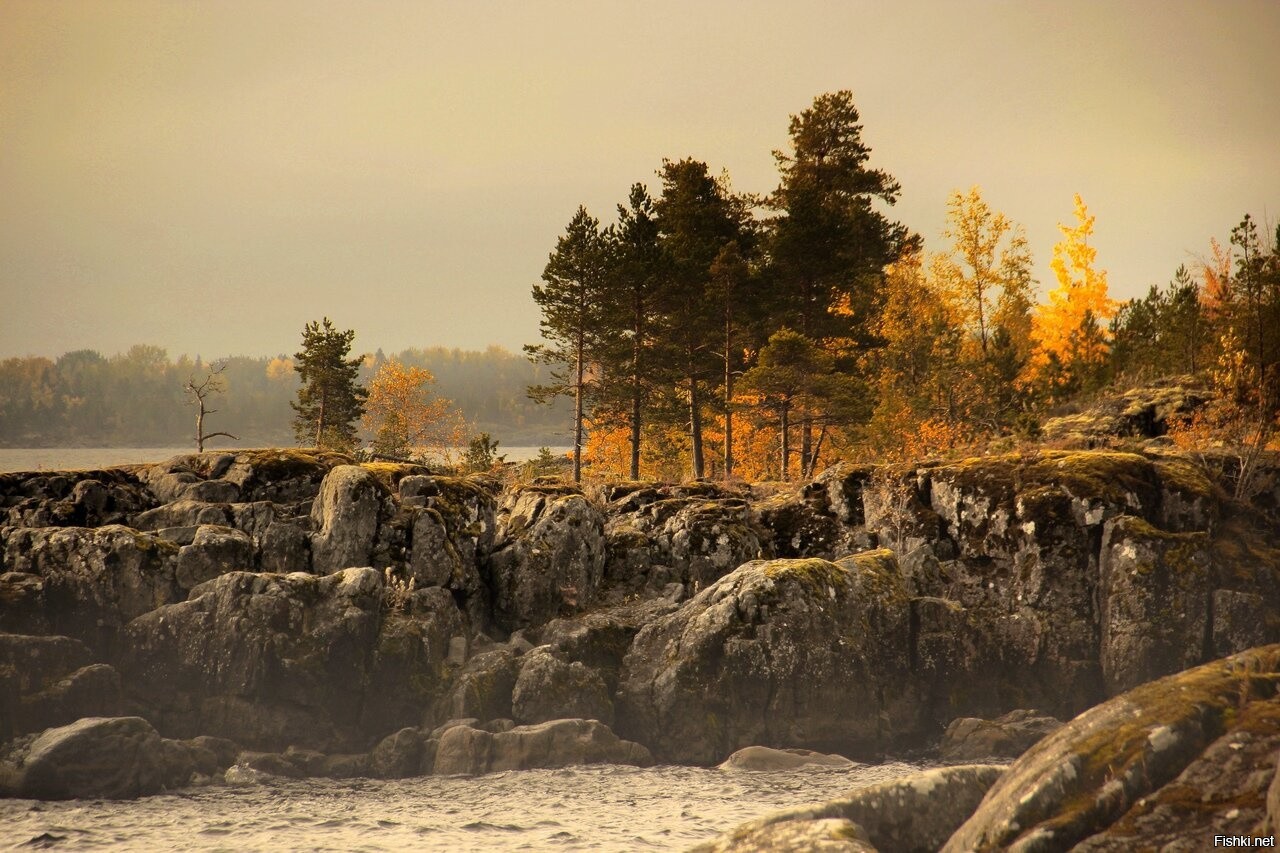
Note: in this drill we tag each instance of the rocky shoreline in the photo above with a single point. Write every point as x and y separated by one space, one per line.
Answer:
291 613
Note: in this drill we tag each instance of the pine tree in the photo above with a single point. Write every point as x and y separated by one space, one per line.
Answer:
639 270
697 217
573 302
330 401
830 245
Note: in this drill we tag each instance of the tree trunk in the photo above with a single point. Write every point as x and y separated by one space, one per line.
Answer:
577 411
817 453
806 422
200 428
806 442
786 439
320 420
635 394
728 393
635 436
728 421
695 428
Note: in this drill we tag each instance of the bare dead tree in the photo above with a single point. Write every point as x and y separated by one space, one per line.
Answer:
197 394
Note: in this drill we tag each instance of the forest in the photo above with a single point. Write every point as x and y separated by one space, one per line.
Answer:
136 398
711 333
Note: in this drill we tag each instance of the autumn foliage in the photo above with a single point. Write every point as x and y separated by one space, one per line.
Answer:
405 415
733 335
1069 331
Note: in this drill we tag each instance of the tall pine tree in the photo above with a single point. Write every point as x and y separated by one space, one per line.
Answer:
639 269
830 245
572 300
697 217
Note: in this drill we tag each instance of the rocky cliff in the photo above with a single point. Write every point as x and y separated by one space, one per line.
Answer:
281 598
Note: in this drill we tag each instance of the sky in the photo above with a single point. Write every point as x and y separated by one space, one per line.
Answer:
208 176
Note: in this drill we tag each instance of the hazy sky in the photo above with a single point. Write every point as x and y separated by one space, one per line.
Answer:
209 176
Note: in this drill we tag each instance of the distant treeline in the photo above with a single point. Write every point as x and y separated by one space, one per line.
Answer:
136 398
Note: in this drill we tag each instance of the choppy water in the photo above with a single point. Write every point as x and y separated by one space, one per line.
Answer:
593 808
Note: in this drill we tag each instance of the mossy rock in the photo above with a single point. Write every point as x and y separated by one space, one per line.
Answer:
391 473
812 572
1086 777
284 463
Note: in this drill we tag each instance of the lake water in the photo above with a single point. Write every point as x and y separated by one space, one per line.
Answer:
597 808
81 458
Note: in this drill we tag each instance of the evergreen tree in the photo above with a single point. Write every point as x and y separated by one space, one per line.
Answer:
639 269
330 401
729 275
697 217
573 302
792 376
830 245
1188 327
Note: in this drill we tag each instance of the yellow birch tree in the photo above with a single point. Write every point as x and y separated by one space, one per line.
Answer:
404 414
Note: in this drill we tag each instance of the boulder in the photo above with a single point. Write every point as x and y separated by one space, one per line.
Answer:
71 498
767 758
194 477
1239 621
397 756
51 682
600 638
213 551
1189 756
344 766
662 535
96 757
464 750
284 547
281 475
483 687
92 690
548 557
824 835
346 514
452 533
253 518
266 660
804 653
269 764
22 604
1154 592
211 755
916 814
1006 737
182 513
549 688
825 518
95 581
409 674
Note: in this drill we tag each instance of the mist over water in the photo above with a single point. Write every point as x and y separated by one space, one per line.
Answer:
596 807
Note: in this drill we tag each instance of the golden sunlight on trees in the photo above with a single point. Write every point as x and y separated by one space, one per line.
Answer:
404 414
989 266
280 368
1071 344
924 388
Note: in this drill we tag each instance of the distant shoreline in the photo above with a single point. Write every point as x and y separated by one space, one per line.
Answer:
13 459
